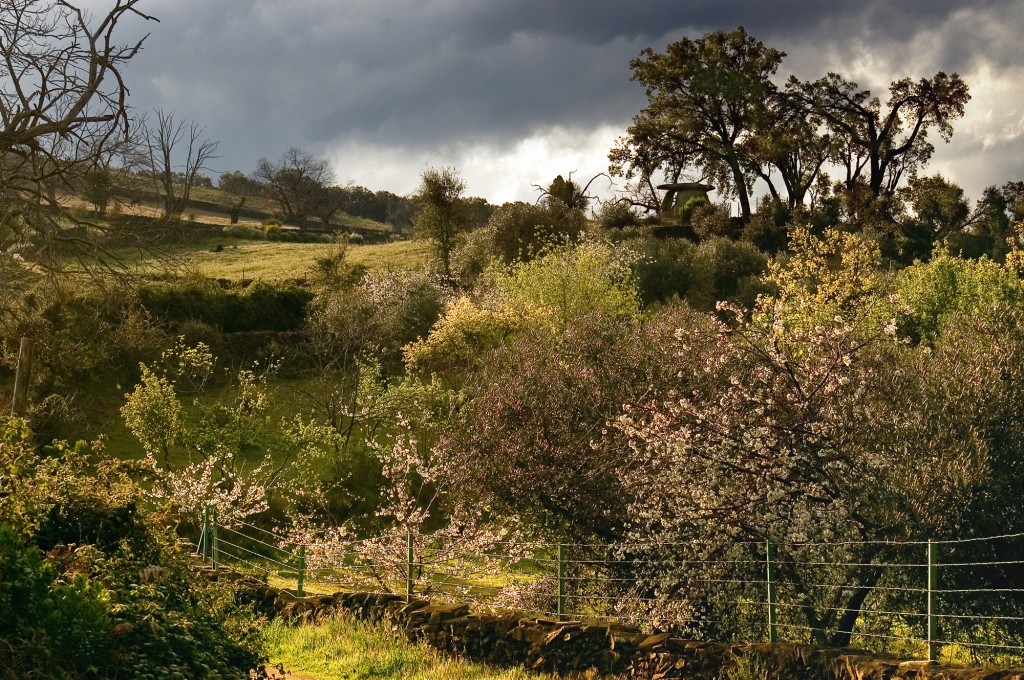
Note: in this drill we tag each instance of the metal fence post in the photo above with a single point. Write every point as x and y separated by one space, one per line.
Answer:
22 377
215 552
410 560
773 621
205 539
560 604
302 571
933 610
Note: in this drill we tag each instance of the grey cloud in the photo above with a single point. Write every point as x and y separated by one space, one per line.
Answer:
263 75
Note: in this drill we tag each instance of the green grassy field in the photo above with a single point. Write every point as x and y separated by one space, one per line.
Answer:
344 648
239 259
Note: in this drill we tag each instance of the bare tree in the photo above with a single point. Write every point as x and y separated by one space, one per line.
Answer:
175 153
62 108
240 187
295 182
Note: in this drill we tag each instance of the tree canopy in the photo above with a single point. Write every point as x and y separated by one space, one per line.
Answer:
443 212
714 108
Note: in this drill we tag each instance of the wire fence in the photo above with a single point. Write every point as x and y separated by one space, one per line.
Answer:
954 601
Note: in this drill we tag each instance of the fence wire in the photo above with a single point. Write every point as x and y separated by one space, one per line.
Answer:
956 601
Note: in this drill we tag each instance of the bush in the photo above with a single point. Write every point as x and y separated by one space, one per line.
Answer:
258 307
949 286
711 221
377 315
570 281
519 231
80 335
703 274
536 416
664 268
767 227
283 235
617 215
727 270
93 585
49 626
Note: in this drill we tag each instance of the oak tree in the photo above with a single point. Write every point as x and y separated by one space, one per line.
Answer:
240 187
705 98
884 144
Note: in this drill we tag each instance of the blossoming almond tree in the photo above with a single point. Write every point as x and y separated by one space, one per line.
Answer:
796 425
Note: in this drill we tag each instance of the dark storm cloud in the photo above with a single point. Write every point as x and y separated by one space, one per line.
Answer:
444 74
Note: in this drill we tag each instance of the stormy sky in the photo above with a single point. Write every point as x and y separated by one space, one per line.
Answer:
513 92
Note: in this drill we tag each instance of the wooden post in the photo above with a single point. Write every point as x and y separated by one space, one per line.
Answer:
21 378
302 570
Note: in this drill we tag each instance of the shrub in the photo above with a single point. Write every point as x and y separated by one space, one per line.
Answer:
710 221
703 274
80 334
520 231
261 306
949 286
767 227
617 215
570 281
727 270
92 585
49 626
377 315
532 439
664 267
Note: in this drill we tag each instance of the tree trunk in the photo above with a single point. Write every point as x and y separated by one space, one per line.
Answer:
741 189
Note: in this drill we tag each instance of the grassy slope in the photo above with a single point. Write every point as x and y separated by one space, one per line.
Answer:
268 260
344 648
256 260
221 217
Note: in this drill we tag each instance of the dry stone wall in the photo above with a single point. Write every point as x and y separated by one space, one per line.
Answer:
610 650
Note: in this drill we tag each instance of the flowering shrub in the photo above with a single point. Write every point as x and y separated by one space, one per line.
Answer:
812 421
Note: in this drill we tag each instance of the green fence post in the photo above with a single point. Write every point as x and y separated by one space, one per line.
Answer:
410 560
560 607
933 611
773 621
215 553
205 540
302 570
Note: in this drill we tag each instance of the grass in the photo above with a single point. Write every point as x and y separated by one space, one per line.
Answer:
240 259
342 647
220 217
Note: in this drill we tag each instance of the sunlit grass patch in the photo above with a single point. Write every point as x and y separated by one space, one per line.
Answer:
342 647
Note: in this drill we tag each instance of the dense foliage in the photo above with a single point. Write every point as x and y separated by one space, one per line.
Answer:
93 583
841 364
